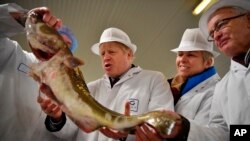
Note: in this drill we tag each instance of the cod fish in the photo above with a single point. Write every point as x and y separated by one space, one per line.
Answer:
56 69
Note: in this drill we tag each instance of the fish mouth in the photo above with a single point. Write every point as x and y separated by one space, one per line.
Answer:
41 55
42 47
42 40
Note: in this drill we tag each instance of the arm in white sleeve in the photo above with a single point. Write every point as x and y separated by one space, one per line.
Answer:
8 25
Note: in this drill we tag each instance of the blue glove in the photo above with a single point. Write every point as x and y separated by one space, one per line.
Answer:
66 31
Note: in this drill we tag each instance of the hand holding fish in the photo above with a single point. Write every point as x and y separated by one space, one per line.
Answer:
47 17
58 69
146 132
47 105
116 134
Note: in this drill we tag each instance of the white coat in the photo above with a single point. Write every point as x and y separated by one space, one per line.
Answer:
230 105
146 90
21 116
196 103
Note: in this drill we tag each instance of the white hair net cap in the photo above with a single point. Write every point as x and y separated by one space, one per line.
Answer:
194 40
245 4
114 34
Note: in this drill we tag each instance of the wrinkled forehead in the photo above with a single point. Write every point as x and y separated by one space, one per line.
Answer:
220 14
225 11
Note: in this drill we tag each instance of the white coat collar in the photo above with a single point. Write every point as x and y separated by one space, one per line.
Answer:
235 66
129 74
206 84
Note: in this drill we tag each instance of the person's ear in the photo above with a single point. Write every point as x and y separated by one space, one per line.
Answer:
130 53
209 63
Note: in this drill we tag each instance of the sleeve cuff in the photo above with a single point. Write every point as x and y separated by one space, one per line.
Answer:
183 136
53 126
185 129
123 139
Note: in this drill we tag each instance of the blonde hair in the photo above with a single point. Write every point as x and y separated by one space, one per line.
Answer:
127 49
207 55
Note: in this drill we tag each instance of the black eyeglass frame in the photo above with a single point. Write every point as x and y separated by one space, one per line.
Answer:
218 26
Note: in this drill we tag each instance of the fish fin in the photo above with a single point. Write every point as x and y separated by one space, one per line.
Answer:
72 62
34 76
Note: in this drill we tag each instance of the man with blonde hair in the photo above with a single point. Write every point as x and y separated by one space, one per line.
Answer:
145 90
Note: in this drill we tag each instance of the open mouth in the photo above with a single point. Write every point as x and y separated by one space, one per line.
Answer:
107 66
43 48
41 55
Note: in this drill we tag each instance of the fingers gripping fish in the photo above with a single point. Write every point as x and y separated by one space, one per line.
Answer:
58 69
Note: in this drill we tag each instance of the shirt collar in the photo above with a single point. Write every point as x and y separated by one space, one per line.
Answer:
243 59
196 79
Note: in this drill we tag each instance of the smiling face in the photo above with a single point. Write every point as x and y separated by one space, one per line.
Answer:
189 63
233 38
116 58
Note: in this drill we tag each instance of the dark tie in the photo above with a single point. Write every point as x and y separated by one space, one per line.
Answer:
113 81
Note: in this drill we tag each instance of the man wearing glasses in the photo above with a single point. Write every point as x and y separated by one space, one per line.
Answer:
227 25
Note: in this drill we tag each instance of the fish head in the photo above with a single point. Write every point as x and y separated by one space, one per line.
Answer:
44 40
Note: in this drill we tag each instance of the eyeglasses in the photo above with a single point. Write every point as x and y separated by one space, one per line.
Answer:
220 25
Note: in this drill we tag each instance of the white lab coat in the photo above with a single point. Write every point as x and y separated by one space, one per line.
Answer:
147 90
231 104
196 103
21 116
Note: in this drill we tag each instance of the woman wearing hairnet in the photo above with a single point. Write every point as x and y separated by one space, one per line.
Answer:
193 86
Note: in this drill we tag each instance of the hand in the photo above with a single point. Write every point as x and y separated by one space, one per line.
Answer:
47 105
115 134
47 91
50 108
48 17
111 133
147 133
177 129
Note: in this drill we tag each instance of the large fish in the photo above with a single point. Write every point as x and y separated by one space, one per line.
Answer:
56 69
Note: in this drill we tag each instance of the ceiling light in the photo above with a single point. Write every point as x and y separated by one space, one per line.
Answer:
198 9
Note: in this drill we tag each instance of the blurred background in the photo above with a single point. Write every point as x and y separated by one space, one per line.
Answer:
155 26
